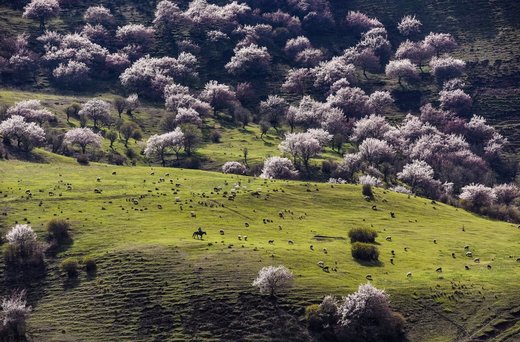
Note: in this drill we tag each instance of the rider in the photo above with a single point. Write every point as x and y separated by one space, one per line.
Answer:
200 230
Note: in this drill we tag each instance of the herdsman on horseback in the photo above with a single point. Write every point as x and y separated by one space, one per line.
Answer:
198 233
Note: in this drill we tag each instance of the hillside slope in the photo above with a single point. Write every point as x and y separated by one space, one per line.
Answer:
155 282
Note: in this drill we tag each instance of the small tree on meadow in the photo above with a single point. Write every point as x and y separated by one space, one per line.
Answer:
365 315
273 279
97 111
402 69
82 137
158 145
409 25
26 134
278 168
14 314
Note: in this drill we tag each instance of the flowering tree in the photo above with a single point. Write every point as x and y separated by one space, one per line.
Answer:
15 313
273 110
365 315
132 103
187 116
26 134
418 174
326 73
441 42
456 101
71 73
409 25
273 279
352 101
506 193
23 248
297 45
98 15
177 96
154 74
278 168
375 151
234 167
158 145
365 59
252 58
168 14
376 40
41 10
82 137
373 126
136 34
380 100
402 69
97 111
417 52
218 95
445 68
31 110
361 22
301 146
477 195
296 80
309 57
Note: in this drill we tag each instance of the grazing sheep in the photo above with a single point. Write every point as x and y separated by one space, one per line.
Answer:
409 274
240 237
271 242
221 232
388 238
369 277
246 224
98 179
326 269
477 260
325 250
406 249
311 247
518 259
245 237
469 254
489 267
321 264
114 173
434 241
374 207
392 214
193 214
466 247
391 261
393 252
97 191
439 270
453 255
291 242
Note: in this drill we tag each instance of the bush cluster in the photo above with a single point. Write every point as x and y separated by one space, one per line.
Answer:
367 235
365 251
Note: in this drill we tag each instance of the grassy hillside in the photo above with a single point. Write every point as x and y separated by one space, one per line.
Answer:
155 282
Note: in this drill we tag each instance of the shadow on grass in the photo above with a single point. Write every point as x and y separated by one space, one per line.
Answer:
71 281
374 263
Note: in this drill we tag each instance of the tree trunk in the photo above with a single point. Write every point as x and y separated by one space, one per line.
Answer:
365 73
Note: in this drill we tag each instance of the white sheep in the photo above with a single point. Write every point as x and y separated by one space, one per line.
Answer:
409 274
469 254
321 264
388 238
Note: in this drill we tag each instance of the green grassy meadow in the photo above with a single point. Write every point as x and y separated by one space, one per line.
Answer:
148 260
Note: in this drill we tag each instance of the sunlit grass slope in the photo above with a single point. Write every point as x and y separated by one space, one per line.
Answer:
148 260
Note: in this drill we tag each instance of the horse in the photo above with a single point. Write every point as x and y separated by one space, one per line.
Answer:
198 234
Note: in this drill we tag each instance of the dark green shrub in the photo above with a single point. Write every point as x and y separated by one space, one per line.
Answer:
216 136
367 235
58 229
82 159
70 266
367 191
90 264
365 251
313 317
